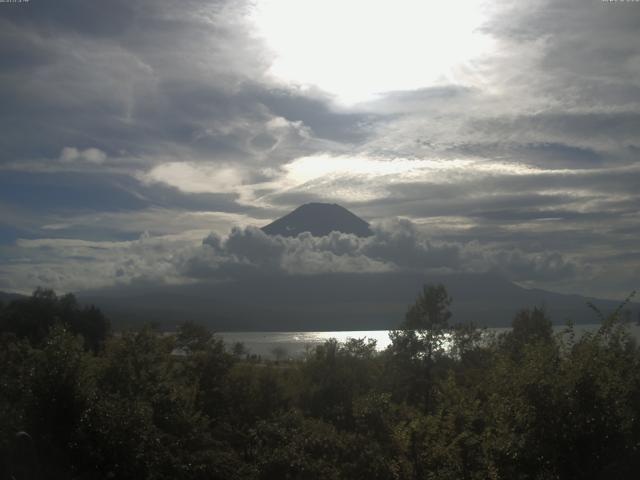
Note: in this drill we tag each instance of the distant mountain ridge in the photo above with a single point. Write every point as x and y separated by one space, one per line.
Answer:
366 301
7 297
328 302
319 219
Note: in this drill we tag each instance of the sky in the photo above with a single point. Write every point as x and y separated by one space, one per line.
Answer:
143 142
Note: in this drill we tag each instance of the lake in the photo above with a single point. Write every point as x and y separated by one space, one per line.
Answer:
295 344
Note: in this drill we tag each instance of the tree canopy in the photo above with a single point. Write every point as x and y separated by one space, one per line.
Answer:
442 402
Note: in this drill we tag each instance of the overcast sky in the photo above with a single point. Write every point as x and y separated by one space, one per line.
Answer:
498 136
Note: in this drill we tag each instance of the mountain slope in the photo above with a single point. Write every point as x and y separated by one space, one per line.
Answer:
333 302
7 297
319 219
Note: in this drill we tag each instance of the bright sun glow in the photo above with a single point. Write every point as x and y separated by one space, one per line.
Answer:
356 49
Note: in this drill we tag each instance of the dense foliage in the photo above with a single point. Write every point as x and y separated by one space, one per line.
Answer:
442 402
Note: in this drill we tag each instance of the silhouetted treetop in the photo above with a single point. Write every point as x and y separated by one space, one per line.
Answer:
33 317
430 311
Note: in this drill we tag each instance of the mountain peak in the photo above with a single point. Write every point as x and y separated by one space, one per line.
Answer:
319 219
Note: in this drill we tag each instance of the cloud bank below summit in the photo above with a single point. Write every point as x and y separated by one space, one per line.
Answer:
395 246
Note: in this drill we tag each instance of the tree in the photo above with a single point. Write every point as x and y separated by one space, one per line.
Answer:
34 317
279 353
429 318
430 311
239 350
193 337
57 399
528 327
418 343
335 375
91 323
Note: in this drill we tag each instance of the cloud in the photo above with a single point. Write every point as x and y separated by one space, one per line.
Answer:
520 266
396 245
75 265
251 248
90 155
191 178
413 30
124 116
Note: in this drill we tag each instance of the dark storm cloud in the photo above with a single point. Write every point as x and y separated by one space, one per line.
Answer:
590 42
547 155
78 16
590 128
21 52
46 192
317 114
569 22
542 189
148 78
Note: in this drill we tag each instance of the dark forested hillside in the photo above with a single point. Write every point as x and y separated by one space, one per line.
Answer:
443 401
342 301
6 297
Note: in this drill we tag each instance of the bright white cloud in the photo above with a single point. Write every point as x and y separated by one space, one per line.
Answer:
359 48
351 178
312 167
196 178
360 177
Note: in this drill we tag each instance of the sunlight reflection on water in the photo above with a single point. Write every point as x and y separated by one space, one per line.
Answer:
296 344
